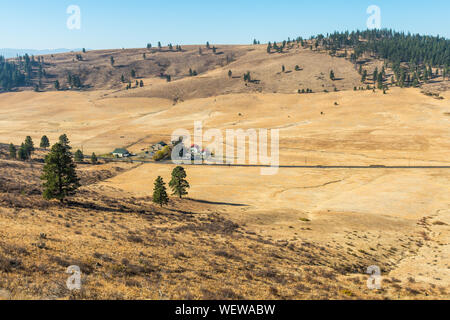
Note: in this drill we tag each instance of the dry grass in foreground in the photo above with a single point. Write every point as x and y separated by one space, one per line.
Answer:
129 249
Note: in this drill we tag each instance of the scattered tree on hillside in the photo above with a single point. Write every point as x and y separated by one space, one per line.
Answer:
332 77
29 146
141 83
22 153
179 184
160 196
78 157
230 73
57 85
364 76
247 77
94 159
12 151
64 140
112 61
59 175
45 143
133 73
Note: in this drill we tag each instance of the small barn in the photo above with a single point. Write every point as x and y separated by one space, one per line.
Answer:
121 153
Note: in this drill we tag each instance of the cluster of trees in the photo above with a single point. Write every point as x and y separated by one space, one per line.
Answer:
285 43
24 152
73 80
171 47
192 73
178 184
11 76
59 172
19 72
247 77
305 91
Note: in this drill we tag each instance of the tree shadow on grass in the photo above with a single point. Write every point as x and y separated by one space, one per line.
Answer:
218 203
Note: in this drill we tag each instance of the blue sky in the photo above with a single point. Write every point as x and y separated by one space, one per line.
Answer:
133 23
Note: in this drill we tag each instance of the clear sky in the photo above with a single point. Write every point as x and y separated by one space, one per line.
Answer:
106 24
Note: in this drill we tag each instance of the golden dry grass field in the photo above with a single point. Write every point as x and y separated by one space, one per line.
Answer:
307 232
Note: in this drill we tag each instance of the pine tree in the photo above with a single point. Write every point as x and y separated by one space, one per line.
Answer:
22 153
179 184
380 81
112 61
141 83
29 146
94 159
12 151
230 73
159 192
332 77
79 157
64 141
45 143
364 76
57 85
59 175
283 68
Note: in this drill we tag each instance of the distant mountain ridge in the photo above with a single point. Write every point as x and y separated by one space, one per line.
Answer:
11 53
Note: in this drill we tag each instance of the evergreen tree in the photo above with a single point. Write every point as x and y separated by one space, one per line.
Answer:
22 153
45 143
78 157
230 73
57 85
332 77
133 73
29 146
364 76
64 141
179 184
141 83
375 75
159 192
283 68
112 61
94 159
380 81
59 175
12 151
